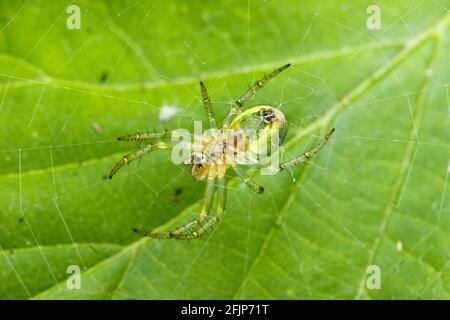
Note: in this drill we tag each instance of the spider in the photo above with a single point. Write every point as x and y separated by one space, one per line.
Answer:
264 118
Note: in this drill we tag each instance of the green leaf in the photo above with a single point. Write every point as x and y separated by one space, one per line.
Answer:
377 194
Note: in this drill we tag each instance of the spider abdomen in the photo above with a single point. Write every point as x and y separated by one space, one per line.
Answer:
262 120
260 126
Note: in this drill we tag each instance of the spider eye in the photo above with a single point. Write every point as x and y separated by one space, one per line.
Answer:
267 115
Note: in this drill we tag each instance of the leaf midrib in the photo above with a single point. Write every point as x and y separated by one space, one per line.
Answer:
61 246
185 80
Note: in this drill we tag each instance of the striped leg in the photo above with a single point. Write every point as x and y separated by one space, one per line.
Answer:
237 105
309 154
207 104
137 154
178 232
248 181
146 135
212 220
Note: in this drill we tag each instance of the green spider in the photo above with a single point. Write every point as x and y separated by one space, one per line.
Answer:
263 118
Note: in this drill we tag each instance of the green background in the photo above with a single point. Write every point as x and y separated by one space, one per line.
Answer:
376 195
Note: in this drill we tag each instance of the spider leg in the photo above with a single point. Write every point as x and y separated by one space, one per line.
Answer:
146 135
211 221
304 157
248 181
177 232
237 105
255 87
207 104
137 154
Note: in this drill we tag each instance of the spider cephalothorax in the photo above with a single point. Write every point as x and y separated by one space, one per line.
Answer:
247 137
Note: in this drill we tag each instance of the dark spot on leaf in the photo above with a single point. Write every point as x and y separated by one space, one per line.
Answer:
104 76
176 194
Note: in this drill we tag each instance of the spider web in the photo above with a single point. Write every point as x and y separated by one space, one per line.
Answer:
304 131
